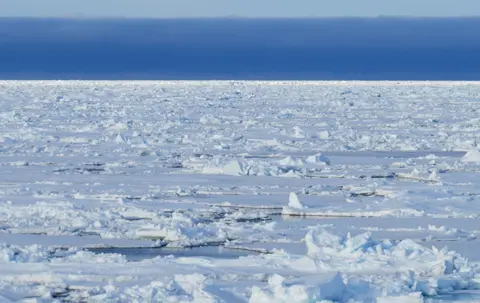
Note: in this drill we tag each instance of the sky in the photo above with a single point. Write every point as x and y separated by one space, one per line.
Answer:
239 8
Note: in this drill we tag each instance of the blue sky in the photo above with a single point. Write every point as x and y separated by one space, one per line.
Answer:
243 8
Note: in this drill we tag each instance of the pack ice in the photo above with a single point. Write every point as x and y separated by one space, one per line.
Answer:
220 191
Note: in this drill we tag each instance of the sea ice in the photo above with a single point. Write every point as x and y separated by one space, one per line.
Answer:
331 194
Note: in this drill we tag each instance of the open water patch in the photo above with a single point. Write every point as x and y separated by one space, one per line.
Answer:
461 296
135 254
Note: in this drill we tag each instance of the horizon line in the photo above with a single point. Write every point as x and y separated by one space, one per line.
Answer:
235 17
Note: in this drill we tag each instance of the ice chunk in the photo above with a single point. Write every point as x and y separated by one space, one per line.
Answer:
321 242
328 286
118 126
416 175
120 139
381 192
472 156
324 134
291 162
361 191
298 132
318 240
234 168
237 168
433 175
318 159
399 164
294 202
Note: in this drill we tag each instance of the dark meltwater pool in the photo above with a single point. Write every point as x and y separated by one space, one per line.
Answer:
141 253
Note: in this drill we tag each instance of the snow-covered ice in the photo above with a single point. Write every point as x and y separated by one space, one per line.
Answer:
331 191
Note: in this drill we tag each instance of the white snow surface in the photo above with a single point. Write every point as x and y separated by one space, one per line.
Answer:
332 191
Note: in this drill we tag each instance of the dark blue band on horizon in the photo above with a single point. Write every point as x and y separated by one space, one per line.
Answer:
263 49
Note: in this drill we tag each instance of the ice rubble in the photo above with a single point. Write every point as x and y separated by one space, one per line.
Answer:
340 268
318 159
53 254
326 286
234 139
397 271
420 176
19 254
288 166
291 162
180 288
308 162
182 230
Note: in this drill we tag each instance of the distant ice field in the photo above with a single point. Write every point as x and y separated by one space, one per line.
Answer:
239 191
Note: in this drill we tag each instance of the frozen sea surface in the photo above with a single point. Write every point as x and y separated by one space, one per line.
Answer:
239 191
